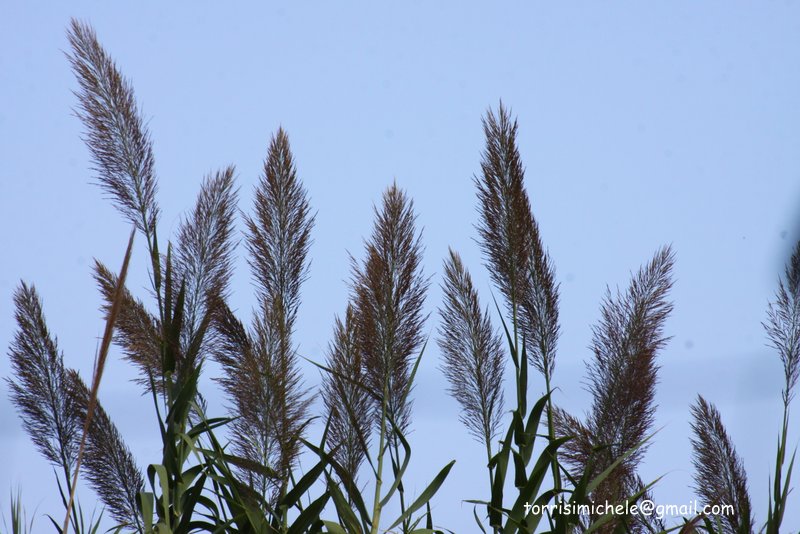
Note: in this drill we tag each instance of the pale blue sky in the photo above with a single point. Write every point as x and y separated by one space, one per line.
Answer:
641 124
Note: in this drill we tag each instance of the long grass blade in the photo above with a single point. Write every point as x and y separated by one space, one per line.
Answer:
98 371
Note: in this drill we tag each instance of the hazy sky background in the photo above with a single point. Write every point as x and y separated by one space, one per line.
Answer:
641 124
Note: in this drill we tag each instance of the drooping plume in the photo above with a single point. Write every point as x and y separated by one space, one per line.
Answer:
388 294
472 352
54 400
719 477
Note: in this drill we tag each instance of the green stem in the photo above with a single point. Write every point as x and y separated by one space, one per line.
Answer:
552 435
779 497
376 508
491 474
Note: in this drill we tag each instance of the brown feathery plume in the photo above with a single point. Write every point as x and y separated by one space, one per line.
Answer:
473 355
262 378
39 388
116 134
279 234
204 251
506 226
137 332
388 294
108 463
345 396
622 380
783 324
719 474
516 258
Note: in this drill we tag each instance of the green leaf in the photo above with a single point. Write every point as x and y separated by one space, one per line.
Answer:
309 515
302 486
426 495
343 508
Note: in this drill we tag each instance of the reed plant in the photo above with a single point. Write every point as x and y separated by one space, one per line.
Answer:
242 472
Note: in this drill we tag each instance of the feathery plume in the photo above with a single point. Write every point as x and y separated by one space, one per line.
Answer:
346 400
624 373
719 474
473 355
622 380
279 233
204 252
506 225
388 292
262 378
108 463
39 387
115 132
783 324
509 237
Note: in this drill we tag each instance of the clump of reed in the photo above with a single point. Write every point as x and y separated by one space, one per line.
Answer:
252 480
253 483
592 461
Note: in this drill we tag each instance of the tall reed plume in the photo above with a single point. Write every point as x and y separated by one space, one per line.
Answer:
50 416
783 324
518 263
388 291
204 253
509 237
261 374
